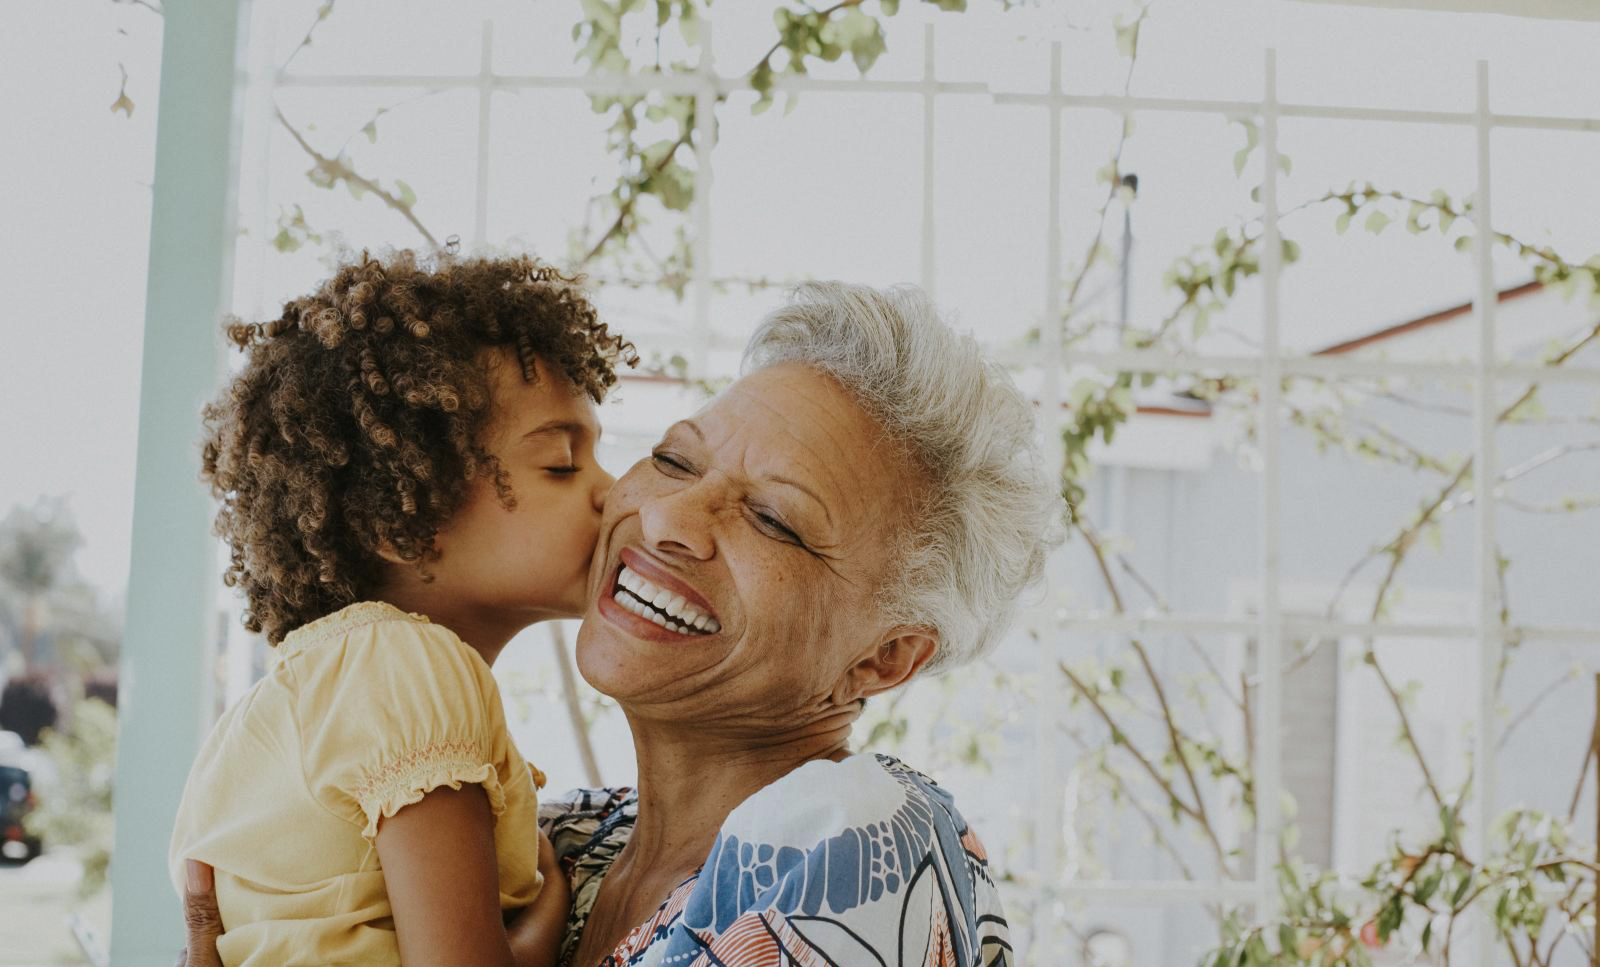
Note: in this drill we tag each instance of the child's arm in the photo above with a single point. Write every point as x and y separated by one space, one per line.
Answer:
537 932
440 872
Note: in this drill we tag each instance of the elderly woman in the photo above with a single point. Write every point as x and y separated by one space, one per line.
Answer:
866 504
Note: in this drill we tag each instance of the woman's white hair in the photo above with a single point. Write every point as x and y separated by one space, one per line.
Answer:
987 513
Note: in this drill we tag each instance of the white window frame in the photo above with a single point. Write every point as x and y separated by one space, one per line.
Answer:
1548 9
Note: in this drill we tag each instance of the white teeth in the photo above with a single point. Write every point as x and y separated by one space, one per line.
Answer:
689 619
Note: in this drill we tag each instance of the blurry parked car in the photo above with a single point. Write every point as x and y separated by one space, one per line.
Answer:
16 801
17 798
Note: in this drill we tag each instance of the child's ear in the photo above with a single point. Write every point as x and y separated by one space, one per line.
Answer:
388 554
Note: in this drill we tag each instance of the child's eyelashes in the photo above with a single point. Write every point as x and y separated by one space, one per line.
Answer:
562 471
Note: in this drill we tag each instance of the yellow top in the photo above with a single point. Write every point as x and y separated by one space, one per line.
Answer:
363 712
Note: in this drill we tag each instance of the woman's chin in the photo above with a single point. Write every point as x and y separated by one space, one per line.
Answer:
622 655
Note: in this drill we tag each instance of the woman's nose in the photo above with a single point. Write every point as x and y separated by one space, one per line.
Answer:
680 522
602 489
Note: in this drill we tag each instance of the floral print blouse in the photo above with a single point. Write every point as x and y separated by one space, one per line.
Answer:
862 862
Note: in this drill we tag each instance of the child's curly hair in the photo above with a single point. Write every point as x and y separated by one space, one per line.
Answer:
355 422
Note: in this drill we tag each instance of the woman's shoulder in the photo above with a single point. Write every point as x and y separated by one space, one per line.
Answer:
823 797
855 858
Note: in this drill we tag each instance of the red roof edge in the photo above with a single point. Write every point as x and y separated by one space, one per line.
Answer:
1422 322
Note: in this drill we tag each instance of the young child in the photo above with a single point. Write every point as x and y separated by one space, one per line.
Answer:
407 478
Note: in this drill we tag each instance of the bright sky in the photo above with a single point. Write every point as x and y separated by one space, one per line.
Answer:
832 190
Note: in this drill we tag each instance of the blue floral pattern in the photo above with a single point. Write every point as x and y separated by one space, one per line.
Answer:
862 862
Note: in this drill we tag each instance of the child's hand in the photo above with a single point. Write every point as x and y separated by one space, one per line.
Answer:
537 931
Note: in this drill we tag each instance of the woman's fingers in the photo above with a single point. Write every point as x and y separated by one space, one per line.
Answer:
201 915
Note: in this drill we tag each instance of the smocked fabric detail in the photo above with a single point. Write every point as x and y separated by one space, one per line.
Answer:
344 621
413 775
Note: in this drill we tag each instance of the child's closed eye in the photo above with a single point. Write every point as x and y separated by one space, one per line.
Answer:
563 471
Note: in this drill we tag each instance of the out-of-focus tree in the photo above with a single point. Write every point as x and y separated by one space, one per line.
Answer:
36 548
27 707
77 812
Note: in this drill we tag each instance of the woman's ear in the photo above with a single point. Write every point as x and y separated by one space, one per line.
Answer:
895 660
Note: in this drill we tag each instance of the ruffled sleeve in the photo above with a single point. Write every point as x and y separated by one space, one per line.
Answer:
395 709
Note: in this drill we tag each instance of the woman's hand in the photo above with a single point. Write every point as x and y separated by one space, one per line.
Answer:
201 915
536 932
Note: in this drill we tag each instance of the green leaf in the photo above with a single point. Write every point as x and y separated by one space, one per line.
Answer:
1376 221
949 6
1342 223
1464 243
1287 941
1426 888
1285 164
656 154
675 186
371 131
857 32
1128 38
408 197
889 7
761 78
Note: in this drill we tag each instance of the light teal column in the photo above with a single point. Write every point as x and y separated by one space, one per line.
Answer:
164 690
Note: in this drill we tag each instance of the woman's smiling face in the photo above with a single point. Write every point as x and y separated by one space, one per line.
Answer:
736 575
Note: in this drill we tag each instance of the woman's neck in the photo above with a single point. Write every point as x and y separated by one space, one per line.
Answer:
690 780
